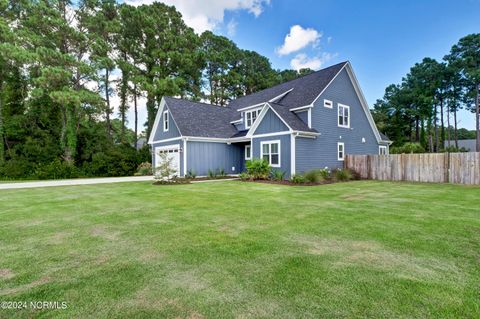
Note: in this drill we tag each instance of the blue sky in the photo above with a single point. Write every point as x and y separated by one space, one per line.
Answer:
382 39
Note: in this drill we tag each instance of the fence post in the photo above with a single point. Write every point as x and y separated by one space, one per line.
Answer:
447 167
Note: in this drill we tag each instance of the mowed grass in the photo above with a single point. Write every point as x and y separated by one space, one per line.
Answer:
243 250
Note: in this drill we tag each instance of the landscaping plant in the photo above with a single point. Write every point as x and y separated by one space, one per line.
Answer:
143 169
258 168
278 175
342 175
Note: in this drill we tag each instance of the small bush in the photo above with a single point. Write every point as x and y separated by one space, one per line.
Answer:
314 176
56 170
244 176
191 174
278 175
407 148
453 149
325 173
221 172
342 175
258 168
143 169
298 179
212 174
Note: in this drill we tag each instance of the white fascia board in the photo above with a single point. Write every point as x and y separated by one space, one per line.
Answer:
280 96
250 107
331 81
363 101
301 108
157 120
254 126
166 140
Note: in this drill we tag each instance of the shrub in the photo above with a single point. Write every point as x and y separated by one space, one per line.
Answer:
56 169
16 168
278 175
325 173
453 149
342 175
191 174
314 176
298 179
212 174
407 148
143 169
221 172
258 168
244 176
119 160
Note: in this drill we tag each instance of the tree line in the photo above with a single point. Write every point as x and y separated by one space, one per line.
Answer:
423 108
61 64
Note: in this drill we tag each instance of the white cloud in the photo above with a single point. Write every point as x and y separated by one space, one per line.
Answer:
204 15
302 61
298 38
232 27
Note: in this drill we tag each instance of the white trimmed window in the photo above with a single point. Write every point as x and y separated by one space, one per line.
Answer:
343 115
382 150
165 121
250 117
248 152
341 151
328 103
270 151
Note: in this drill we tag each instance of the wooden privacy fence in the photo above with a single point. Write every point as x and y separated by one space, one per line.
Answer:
457 168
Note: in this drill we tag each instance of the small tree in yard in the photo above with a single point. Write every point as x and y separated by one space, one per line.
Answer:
165 171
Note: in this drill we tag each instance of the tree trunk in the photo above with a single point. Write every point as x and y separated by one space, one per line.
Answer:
107 100
417 129
455 132
435 128
136 112
442 127
477 116
448 125
2 139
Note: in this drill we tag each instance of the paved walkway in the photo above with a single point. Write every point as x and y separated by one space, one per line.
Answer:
80 181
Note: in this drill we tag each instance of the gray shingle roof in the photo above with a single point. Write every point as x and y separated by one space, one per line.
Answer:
207 120
305 89
201 119
290 118
384 137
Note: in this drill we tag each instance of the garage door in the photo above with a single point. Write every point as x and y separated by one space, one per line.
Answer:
173 152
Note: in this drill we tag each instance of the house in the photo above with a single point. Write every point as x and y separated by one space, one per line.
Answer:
467 145
307 123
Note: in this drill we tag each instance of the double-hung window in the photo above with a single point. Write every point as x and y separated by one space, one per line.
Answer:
340 151
343 115
270 151
382 150
250 117
165 121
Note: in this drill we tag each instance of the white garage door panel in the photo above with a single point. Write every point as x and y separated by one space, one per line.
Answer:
173 152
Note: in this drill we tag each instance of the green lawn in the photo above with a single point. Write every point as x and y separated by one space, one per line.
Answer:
243 250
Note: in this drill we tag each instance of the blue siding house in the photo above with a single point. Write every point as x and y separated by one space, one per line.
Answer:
307 123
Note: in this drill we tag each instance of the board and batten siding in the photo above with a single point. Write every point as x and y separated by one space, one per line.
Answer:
205 156
321 152
172 129
270 123
176 142
284 150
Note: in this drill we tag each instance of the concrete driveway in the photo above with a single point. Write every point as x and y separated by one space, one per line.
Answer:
80 181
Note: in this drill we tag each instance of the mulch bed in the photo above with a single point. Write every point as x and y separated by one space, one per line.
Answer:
183 181
289 183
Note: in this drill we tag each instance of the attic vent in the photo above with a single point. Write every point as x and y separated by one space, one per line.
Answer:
328 103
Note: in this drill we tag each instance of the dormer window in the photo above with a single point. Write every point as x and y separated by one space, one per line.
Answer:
250 117
165 121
